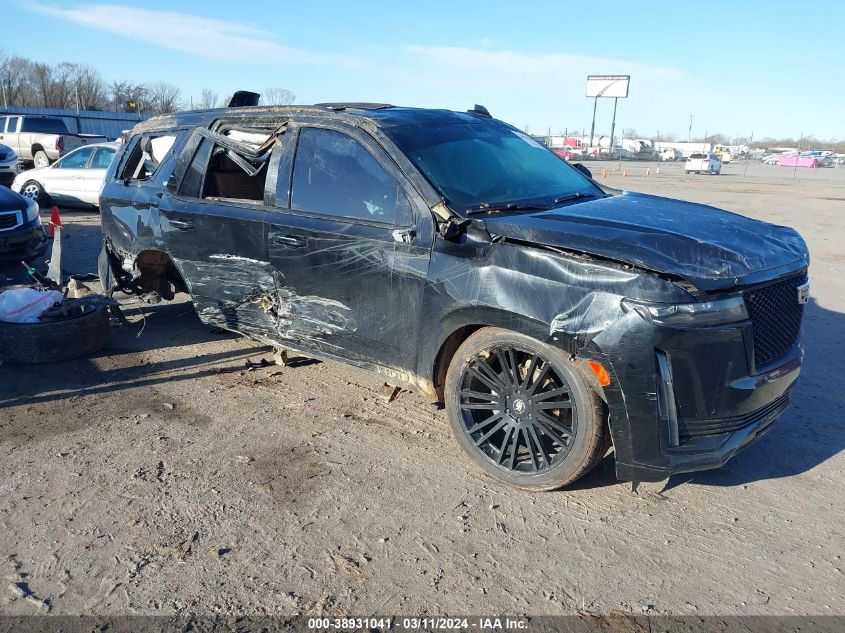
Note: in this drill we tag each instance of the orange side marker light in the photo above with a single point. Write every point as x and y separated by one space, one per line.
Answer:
600 372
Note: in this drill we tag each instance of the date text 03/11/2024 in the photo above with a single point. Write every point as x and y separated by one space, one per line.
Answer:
492 623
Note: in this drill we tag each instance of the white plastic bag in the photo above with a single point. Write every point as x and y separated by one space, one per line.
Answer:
25 305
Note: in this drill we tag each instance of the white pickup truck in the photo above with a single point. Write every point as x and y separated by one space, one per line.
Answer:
40 139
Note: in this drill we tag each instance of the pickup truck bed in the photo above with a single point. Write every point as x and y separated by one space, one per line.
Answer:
41 140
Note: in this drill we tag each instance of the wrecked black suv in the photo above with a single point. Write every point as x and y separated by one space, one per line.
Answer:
451 253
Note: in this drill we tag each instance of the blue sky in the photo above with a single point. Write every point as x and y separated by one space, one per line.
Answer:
774 68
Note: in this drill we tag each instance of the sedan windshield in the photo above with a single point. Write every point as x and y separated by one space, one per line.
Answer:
489 165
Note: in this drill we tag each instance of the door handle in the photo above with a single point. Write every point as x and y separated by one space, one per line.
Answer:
403 235
289 240
179 225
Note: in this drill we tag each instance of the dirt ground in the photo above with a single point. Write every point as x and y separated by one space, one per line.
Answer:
159 476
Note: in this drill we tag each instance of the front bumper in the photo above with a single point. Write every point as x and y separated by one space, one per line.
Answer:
25 243
687 399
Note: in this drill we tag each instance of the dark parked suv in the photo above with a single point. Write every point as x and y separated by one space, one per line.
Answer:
22 236
450 253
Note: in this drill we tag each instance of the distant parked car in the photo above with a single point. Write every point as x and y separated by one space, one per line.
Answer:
617 153
670 154
701 163
8 165
75 178
41 140
772 159
569 153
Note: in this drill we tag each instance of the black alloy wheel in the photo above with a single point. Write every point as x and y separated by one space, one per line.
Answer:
517 409
523 411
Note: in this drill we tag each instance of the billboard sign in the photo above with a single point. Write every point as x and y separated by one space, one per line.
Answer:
615 86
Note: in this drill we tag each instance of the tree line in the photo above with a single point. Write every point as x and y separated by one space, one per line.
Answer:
27 83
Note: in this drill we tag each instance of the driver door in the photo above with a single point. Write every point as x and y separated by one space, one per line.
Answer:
349 243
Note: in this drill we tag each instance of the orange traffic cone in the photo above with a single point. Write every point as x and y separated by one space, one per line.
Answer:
648 171
604 173
625 173
55 220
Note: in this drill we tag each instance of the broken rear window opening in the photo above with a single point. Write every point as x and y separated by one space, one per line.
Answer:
474 165
231 165
232 177
146 155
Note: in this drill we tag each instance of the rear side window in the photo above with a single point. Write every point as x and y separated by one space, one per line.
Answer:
44 126
335 175
148 152
219 173
103 157
12 125
231 177
76 160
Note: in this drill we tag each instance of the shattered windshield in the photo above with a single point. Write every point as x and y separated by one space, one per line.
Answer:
488 165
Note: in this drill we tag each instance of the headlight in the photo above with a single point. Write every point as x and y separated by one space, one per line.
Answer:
31 210
702 314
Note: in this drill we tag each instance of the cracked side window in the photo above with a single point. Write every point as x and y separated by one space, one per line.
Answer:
334 174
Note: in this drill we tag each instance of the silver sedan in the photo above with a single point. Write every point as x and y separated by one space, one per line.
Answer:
76 178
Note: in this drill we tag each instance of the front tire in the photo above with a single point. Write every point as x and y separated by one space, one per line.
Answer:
33 190
523 411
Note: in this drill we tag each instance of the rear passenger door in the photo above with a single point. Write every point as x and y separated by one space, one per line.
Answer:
349 260
214 227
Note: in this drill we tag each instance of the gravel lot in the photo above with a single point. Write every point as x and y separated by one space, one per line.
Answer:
161 477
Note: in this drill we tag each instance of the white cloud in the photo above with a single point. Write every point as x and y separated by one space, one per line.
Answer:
215 40
546 67
535 88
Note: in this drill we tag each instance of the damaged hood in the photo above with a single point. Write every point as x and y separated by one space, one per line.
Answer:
708 247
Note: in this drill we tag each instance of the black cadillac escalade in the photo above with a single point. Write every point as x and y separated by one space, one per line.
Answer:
451 253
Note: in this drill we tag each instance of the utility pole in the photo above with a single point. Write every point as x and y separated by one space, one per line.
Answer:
593 128
613 125
795 169
689 134
746 158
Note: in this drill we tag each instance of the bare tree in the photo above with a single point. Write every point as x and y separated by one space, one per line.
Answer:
208 99
277 96
163 97
127 97
42 83
89 88
15 81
